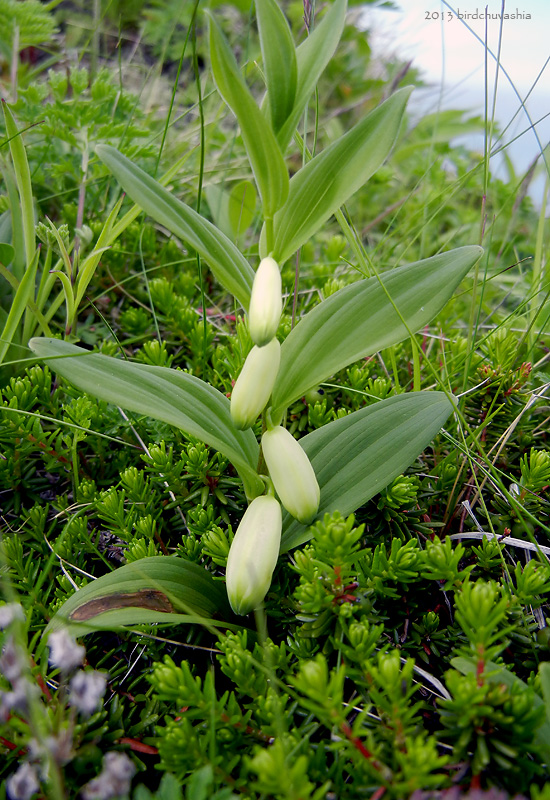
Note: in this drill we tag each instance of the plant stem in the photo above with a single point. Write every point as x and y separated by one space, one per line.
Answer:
269 234
416 364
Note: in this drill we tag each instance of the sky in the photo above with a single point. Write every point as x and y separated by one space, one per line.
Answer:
452 60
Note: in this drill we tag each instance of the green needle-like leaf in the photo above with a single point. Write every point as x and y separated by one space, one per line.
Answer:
496 673
357 456
166 394
360 320
224 259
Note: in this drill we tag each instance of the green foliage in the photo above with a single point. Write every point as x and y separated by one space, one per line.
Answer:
495 723
33 22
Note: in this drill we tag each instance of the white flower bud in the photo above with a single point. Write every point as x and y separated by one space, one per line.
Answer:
255 383
292 474
253 554
266 302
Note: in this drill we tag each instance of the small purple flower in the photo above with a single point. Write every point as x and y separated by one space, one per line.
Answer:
23 783
86 690
10 612
17 699
113 780
65 653
12 660
59 747
5 705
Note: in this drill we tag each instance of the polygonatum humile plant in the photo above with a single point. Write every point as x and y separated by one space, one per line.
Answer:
336 467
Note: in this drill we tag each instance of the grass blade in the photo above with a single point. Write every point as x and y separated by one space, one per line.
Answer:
23 296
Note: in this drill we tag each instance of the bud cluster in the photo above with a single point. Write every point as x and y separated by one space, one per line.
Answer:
255 548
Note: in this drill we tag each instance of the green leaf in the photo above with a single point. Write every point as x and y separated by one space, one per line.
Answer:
544 674
25 25
23 179
218 202
200 784
241 207
224 259
6 253
19 303
498 674
134 212
360 320
23 296
357 456
232 209
169 395
89 264
279 57
11 224
263 151
164 590
68 290
312 56
328 180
